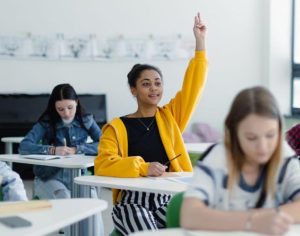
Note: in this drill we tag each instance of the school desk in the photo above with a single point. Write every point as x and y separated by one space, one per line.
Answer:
63 212
74 163
169 183
9 141
294 231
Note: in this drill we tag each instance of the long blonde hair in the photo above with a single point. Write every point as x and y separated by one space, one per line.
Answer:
259 101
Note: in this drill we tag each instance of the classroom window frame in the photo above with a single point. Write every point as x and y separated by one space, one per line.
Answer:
295 78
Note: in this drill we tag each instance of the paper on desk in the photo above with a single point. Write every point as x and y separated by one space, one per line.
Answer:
215 233
183 180
179 177
17 207
47 157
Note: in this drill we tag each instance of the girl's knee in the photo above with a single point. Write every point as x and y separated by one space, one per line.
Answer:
62 193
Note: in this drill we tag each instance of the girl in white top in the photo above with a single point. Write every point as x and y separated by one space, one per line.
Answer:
11 184
246 183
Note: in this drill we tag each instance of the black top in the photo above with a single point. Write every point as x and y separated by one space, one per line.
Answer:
144 139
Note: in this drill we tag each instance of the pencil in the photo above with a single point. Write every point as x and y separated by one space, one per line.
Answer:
65 142
168 162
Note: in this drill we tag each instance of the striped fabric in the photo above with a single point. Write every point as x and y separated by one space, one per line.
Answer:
140 211
293 138
210 184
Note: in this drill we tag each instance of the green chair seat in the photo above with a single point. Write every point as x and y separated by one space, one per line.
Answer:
173 211
115 232
194 157
1 194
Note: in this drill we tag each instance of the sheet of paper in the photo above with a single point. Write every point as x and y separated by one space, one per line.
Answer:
47 157
179 177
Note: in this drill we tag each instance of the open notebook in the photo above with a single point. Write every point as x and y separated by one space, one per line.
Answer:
47 157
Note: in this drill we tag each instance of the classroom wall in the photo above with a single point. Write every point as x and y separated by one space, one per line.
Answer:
242 46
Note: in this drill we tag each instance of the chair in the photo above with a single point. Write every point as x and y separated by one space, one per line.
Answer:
173 211
1 194
194 158
115 232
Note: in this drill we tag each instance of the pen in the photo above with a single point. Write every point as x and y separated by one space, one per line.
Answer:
65 142
168 162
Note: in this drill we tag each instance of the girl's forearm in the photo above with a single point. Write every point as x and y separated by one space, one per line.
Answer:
200 44
292 209
196 216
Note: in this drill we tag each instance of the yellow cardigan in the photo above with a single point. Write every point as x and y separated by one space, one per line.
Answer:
172 119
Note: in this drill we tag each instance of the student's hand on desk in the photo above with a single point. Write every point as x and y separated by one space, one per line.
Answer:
271 222
156 169
63 150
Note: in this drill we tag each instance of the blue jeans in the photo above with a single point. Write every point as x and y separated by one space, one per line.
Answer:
50 189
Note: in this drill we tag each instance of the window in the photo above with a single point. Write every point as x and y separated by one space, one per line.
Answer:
296 59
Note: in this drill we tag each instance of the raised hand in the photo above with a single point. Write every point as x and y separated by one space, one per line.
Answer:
199 32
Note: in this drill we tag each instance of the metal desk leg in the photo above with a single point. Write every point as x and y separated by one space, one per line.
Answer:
9 150
94 224
74 193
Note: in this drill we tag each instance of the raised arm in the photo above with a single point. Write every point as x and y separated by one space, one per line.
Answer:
195 215
199 32
184 103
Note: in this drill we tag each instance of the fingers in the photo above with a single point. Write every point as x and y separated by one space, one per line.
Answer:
156 169
198 22
285 218
64 150
282 223
198 19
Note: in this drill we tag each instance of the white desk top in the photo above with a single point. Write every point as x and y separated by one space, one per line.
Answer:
19 139
79 162
294 231
197 147
63 213
146 184
12 139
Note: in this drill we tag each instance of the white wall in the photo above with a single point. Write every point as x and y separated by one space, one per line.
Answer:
279 60
238 45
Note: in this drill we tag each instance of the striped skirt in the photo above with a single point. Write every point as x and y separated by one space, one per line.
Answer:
139 211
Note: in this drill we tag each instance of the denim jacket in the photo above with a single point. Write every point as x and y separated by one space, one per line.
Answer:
11 184
38 141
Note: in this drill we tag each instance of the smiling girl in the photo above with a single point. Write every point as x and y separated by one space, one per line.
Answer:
139 143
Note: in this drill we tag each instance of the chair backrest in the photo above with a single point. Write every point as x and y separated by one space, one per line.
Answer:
173 211
1 194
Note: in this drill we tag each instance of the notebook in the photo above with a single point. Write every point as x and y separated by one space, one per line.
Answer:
47 157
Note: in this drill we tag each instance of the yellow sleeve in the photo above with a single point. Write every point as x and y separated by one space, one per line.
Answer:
112 159
185 101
